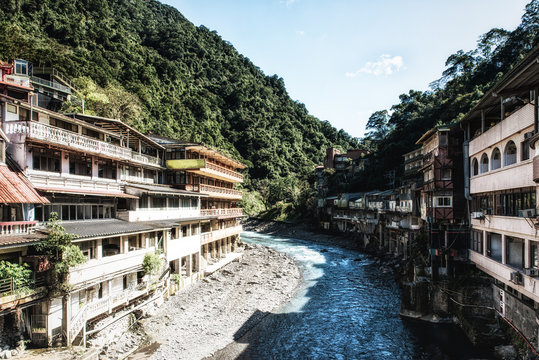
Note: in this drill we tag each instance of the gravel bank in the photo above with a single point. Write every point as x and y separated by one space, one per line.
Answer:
223 307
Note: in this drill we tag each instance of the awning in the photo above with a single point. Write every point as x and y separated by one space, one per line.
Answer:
88 192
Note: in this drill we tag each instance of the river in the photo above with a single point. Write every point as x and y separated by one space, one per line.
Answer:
345 308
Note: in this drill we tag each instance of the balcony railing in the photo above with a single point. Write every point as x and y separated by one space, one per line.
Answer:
224 192
205 166
55 180
50 84
17 227
73 140
225 212
220 234
17 80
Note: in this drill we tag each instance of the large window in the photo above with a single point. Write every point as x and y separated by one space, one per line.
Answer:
106 169
70 212
46 160
64 125
475 167
80 165
505 203
515 252
442 201
494 246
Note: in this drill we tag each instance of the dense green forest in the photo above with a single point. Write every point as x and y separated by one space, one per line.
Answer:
467 76
159 72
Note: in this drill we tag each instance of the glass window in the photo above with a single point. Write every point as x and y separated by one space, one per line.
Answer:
494 246
510 154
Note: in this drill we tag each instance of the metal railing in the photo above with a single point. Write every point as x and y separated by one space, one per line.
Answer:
50 84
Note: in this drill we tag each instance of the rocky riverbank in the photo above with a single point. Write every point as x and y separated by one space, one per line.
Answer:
209 315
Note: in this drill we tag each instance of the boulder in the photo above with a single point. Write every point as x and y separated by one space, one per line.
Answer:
505 352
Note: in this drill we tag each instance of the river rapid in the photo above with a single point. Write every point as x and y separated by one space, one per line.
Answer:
345 308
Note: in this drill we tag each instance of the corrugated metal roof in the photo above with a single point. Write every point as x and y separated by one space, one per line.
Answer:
16 189
101 228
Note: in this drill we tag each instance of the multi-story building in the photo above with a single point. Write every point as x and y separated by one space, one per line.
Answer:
205 171
503 175
107 183
442 196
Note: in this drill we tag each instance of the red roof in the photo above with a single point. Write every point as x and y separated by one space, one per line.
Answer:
16 189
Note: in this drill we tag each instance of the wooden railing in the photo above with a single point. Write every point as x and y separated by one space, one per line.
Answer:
226 212
17 227
203 188
76 141
223 170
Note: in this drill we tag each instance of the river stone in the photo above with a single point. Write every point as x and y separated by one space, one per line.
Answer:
505 352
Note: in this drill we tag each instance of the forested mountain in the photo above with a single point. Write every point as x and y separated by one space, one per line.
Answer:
467 76
181 80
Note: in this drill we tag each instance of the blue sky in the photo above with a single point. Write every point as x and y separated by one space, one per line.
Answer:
346 59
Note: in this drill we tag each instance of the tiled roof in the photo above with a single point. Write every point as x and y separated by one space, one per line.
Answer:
17 240
88 192
16 189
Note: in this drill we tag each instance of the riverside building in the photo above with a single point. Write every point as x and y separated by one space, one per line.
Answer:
110 186
503 176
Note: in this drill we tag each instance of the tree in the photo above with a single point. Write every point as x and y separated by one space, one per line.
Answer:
61 252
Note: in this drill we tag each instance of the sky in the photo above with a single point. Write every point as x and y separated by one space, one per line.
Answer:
345 59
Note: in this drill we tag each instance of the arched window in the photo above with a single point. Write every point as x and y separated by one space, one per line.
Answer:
475 167
496 159
510 154
484 164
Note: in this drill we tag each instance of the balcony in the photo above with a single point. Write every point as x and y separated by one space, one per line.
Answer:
177 248
17 227
153 214
106 267
222 212
205 168
17 81
220 192
508 177
57 136
513 124
43 179
220 234
506 224
12 294
529 286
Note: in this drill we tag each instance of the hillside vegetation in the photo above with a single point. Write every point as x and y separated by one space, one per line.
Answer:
145 63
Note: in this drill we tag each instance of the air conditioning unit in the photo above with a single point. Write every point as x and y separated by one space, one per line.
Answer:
478 215
516 277
531 272
528 213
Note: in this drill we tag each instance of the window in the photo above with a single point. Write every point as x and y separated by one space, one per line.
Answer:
525 150
21 67
46 160
484 164
496 161
106 169
80 165
111 246
515 252
442 201
158 202
443 139
64 125
475 167
477 241
445 174
143 201
90 133
510 154
534 259
494 246
11 108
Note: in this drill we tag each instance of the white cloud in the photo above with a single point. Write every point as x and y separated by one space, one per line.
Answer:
300 32
288 2
386 65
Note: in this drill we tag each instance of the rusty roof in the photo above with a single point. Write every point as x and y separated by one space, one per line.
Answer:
16 189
